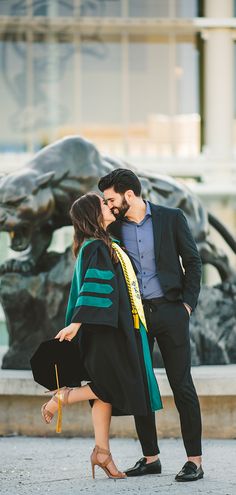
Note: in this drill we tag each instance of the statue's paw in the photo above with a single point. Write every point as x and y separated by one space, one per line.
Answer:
17 266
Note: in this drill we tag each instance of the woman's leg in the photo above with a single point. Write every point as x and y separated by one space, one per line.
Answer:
76 394
101 416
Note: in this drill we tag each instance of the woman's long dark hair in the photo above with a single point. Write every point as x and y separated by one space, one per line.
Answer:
87 219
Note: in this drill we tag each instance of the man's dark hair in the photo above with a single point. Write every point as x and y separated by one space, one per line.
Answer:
122 180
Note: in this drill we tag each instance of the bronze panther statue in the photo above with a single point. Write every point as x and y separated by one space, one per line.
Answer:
35 202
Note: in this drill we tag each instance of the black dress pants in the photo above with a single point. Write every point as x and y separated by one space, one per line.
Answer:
168 323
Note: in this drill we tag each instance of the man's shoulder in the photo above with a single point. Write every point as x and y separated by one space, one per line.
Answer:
165 210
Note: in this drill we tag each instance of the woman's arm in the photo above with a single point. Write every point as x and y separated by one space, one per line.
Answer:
96 297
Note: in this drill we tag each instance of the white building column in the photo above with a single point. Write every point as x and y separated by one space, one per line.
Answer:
219 100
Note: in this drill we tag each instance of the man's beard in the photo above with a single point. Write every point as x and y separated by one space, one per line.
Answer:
120 212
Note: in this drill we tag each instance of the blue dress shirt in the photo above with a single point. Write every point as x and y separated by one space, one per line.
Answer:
139 242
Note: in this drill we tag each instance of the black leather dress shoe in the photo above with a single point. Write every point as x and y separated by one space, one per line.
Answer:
141 468
190 472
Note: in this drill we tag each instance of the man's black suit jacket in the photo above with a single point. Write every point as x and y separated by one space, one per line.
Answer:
172 241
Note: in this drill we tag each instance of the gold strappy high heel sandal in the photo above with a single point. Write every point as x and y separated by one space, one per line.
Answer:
61 398
104 464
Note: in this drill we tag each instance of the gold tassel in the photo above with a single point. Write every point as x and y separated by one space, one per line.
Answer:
59 412
136 320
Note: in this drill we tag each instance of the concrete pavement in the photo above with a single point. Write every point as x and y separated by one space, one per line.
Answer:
61 466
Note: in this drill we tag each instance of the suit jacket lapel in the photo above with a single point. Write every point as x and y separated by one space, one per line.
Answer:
157 227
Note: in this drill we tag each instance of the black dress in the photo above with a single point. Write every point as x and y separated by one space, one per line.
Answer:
110 347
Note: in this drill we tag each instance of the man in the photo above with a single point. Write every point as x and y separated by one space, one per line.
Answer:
156 237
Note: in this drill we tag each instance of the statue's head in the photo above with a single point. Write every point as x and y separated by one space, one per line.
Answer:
39 196
26 202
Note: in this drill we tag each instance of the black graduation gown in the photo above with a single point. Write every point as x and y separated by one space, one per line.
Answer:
110 347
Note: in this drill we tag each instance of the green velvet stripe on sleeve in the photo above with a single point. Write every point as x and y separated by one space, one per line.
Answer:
92 292
96 302
100 274
97 288
75 285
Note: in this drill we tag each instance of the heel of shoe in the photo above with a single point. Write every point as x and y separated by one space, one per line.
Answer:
103 465
93 470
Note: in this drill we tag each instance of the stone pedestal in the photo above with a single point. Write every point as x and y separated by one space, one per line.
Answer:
21 399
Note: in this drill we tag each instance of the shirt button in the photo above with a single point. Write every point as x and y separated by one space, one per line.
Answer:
139 240
144 286
142 256
144 273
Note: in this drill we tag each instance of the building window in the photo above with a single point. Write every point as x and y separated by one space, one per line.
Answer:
131 91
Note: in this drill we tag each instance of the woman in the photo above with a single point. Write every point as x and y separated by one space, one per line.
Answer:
105 309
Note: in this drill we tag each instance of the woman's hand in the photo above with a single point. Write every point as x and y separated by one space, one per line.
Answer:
68 333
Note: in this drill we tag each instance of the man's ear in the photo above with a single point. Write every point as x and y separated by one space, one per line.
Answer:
129 195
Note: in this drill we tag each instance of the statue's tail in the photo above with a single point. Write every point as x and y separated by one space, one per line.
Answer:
222 231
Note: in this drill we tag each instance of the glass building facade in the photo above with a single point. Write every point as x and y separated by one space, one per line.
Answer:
115 71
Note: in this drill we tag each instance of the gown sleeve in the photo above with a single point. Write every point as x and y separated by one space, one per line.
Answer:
94 293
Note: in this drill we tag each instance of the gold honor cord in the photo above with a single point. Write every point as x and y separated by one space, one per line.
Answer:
59 412
133 289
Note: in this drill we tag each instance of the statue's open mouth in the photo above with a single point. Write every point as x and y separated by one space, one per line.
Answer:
20 238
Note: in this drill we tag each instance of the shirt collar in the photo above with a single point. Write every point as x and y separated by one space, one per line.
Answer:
147 214
148 209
